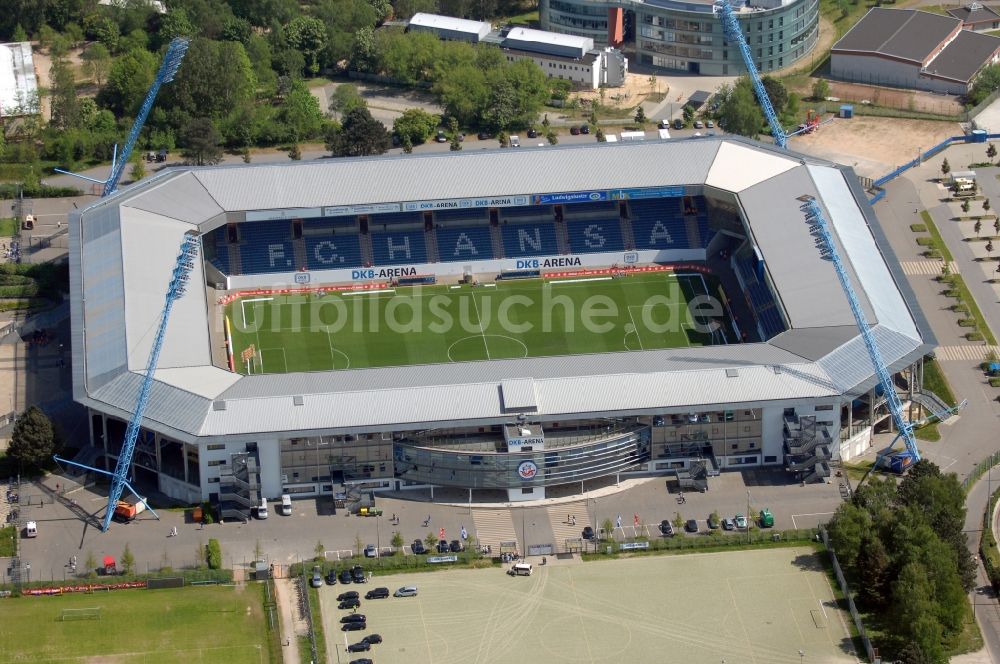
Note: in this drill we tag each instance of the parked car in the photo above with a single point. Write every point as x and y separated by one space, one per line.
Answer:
532 133
373 638
484 136
360 646
678 123
713 521
709 124
345 576
406 591
377 593
358 574
666 528
354 626
442 546
354 618
331 577
741 522
363 660
574 130
371 551
349 604
698 124
317 578
588 533
418 547
441 138
584 129
350 594
515 141
727 524
691 526
456 546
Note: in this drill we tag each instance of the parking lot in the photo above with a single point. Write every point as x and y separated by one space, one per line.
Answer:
750 606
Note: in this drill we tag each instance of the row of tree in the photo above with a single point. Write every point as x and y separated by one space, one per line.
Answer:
904 548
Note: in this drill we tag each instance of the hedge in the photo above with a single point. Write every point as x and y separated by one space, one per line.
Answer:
213 554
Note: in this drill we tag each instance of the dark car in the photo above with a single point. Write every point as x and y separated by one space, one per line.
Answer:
331 577
442 546
360 646
456 546
574 130
354 618
678 123
691 526
373 638
418 547
352 603
377 593
441 138
666 528
532 133
484 136
345 576
584 129
358 574
588 533
713 521
353 626
351 594
363 660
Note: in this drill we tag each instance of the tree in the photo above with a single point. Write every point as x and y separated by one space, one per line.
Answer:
127 560
777 93
551 137
740 113
873 567
991 152
358 543
308 36
128 80
945 167
847 530
63 97
965 206
820 89
363 54
431 540
295 152
300 113
397 541
237 29
599 135
977 227
987 81
216 78
996 226
201 142
97 62
138 168
986 205
319 551
90 565
175 23
415 124
640 116
33 440
360 135
989 246
607 529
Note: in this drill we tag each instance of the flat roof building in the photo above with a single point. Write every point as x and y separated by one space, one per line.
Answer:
447 27
18 84
976 16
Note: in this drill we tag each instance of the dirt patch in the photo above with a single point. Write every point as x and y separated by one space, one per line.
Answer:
874 145
637 87
908 100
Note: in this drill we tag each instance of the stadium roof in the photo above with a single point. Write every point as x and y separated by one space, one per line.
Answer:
119 244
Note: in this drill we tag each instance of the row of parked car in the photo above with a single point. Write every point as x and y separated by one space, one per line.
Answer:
443 546
355 622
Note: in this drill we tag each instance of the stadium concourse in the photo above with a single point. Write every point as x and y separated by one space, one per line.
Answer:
495 321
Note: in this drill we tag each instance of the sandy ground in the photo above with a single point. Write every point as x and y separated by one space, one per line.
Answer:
874 145
43 63
894 98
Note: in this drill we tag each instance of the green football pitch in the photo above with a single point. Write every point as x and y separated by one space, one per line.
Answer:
439 324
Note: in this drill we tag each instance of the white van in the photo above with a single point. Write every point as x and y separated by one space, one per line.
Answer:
31 529
262 510
521 569
515 141
286 505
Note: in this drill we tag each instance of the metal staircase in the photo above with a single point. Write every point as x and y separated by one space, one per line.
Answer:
239 491
807 448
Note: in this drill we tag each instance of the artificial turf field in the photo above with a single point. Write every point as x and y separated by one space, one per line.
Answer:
194 625
438 324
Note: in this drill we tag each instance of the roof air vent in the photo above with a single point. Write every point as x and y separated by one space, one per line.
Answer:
218 405
732 373
298 400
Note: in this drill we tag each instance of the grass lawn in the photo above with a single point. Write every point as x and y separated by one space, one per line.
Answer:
440 324
935 381
8 227
194 625
8 536
939 243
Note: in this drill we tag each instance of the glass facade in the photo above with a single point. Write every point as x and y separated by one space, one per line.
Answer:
688 37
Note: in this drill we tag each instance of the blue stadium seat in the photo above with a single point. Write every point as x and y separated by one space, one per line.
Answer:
460 243
331 252
470 215
704 231
397 247
591 235
535 211
529 239
221 259
761 301
266 246
590 207
658 224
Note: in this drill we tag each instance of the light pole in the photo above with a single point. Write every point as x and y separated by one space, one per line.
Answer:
802 656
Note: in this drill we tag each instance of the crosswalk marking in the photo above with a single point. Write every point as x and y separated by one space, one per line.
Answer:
968 353
926 267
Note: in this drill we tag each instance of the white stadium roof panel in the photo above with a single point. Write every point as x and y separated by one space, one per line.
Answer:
180 196
205 381
738 166
439 22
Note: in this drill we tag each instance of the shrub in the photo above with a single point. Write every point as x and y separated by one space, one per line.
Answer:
960 308
974 336
925 241
918 228
213 554
967 322
995 382
932 253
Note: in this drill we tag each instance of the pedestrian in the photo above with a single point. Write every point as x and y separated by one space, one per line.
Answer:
568 517
574 519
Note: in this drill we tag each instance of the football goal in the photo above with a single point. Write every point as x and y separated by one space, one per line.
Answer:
80 614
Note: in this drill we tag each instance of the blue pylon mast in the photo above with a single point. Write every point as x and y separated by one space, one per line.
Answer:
175 289
171 63
820 229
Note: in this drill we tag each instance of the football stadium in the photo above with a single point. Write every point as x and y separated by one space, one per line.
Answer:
497 321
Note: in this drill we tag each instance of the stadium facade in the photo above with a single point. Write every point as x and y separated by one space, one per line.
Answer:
686 35
796 392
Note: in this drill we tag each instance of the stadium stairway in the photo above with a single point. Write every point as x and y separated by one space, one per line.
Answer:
301 257
562 238
493 527
430 241
628 238
497 241
235 264
565 530
367 254
693 231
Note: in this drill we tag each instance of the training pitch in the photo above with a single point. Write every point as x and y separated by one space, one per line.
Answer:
743 607
508 319
201 625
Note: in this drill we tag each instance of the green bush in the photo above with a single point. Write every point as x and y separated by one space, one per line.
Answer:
960 308
953 292
995 382
925 241
974 336
213 554
918 228
932 253
967 322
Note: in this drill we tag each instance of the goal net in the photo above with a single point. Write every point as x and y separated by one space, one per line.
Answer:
80 614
